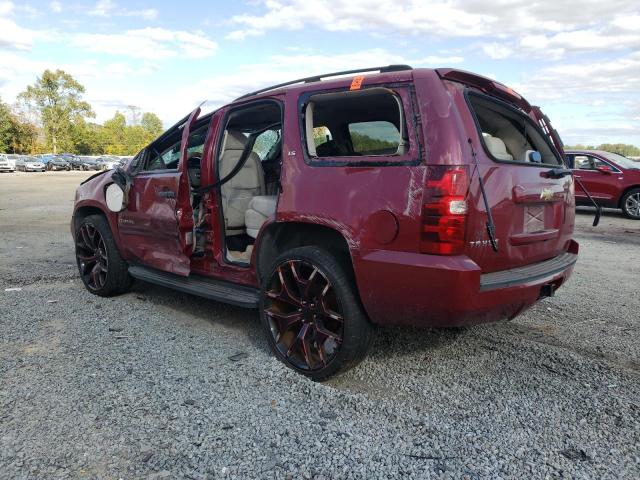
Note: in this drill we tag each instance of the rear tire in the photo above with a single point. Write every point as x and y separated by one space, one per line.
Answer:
102 269
631 204
312 315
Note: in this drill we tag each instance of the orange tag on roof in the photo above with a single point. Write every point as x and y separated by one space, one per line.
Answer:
357 82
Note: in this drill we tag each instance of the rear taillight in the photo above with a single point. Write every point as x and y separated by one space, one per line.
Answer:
444 212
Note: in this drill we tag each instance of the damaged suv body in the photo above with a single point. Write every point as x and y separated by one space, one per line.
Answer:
406 196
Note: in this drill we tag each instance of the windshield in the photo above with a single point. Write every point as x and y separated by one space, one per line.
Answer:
624 162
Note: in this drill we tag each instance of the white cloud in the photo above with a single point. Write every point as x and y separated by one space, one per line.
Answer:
13 36
108 8
103 8
455 18
55 6
6 8
582 80
148 43
497 51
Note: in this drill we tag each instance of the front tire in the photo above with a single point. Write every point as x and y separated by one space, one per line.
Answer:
312 315
102 269
631 204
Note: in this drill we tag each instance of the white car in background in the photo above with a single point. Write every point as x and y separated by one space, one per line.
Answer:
108 163
30 164
6 165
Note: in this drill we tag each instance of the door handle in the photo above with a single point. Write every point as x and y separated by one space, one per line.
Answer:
166 194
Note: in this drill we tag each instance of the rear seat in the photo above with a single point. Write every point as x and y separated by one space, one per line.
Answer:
260 208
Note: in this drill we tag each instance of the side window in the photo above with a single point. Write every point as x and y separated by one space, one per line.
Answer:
374 138
367 122
266 143
163 155
582 162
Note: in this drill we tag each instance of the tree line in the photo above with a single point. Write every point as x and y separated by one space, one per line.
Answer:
619 148
51 116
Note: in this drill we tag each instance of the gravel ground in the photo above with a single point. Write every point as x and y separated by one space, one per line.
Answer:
156 384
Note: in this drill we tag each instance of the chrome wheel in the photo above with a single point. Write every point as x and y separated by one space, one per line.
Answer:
632 204
91 254
304 315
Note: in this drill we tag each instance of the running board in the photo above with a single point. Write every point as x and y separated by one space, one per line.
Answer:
218 290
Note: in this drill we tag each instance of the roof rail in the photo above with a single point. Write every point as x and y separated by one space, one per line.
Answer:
317 78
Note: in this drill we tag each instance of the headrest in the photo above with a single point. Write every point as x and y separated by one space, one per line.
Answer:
234 140
497 147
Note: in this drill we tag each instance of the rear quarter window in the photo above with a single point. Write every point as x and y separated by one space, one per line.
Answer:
356 127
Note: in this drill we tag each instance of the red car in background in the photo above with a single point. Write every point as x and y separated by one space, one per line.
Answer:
611 179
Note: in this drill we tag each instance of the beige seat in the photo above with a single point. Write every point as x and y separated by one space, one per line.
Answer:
246 184
260 209
497 147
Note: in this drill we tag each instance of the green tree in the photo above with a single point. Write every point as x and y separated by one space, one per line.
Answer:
6 127
17 135
57 99
111 136
152 125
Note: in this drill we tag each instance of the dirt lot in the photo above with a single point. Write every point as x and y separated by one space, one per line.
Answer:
157 384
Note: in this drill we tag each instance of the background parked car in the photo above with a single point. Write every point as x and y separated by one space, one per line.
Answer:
89 163
612 180
55 163
74 162
6 165
108 163
29 164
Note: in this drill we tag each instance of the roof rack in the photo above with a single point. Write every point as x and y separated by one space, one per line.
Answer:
317 78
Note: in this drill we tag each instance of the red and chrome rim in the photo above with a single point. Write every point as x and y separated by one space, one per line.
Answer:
91 253
304 315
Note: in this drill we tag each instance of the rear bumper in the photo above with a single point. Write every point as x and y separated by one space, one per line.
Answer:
399 288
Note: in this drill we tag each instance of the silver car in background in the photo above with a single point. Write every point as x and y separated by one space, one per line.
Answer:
29 164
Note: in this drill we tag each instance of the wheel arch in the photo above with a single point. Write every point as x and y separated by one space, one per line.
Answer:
278 237
624 192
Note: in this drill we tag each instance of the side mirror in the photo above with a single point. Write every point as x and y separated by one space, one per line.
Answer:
604 169
114 196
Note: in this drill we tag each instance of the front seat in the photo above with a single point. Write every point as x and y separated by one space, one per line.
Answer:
246 184
497 147
260 209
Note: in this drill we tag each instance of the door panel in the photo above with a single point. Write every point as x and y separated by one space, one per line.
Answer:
149 227
157 225
602 186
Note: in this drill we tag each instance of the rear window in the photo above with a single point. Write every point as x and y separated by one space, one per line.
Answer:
364 123
509 135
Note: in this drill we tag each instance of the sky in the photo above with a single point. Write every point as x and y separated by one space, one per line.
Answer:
580 61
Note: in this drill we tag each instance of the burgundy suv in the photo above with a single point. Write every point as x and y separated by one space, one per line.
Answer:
414 197
612 180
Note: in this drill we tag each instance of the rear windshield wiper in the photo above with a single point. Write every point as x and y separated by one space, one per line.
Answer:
491 228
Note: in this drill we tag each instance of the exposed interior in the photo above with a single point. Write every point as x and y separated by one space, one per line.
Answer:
365 122
509 135
250 158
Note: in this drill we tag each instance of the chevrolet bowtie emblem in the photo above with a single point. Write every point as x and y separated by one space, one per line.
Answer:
546 194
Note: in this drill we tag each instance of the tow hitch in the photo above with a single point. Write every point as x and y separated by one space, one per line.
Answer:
547 290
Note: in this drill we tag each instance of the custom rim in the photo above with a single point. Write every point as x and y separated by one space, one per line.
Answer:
632 204
91 253
304 315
